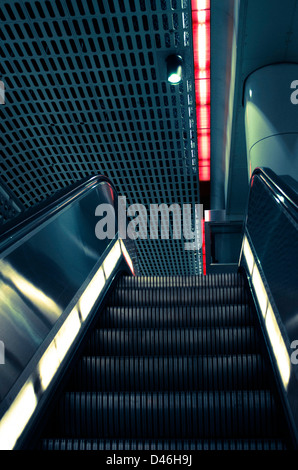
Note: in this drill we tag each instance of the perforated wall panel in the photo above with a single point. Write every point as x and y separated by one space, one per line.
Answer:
86 92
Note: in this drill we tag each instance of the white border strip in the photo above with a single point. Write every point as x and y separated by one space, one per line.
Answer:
22 408
278 345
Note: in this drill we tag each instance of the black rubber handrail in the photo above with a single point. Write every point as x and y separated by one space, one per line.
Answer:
278 187
286 199
47 208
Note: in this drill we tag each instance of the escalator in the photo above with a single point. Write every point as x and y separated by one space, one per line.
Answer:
172 363
98 357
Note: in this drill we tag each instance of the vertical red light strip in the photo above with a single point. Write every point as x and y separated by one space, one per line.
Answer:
201 46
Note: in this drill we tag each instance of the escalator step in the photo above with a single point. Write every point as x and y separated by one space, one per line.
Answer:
173 363
210 280
169 373
183 341
163 445
173 296
186 316
173 415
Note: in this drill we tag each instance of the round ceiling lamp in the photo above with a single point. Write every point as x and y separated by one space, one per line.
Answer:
174 69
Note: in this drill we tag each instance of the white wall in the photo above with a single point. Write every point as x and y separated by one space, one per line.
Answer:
271 119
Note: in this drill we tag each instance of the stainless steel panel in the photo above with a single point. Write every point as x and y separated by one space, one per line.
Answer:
40 275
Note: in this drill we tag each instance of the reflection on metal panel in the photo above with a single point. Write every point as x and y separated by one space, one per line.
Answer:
40 275
50 282
274 234
20 411
270 257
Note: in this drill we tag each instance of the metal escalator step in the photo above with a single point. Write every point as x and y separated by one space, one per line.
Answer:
172 364
172 415
172 296
183 341
163 445
177 316
209 280
151 373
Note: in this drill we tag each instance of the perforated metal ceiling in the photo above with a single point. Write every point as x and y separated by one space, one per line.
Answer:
86 93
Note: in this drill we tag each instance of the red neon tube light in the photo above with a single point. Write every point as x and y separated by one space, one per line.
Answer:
201 45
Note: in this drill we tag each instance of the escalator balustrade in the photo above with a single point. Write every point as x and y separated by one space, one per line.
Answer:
174 363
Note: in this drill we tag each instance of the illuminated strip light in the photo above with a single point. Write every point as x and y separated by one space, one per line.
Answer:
278 345
127 257
22 408
16 418
112 259
77 316
89 297
201 45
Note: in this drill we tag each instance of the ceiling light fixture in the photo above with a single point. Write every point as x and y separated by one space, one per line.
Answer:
174 69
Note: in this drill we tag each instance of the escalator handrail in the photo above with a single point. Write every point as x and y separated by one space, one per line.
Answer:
34 216
78 309
278 187
285 200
